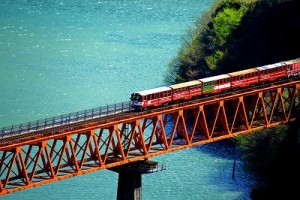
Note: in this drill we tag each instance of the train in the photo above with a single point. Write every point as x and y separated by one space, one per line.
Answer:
165 95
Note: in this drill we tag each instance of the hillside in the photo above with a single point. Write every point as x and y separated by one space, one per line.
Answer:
235 35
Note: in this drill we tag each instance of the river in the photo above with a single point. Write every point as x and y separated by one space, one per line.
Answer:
63 56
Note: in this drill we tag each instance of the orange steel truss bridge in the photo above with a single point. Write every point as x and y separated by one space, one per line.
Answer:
45 151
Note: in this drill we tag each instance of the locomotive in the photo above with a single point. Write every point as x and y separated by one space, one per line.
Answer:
162 96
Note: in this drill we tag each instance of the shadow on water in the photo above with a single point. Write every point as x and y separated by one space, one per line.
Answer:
221 149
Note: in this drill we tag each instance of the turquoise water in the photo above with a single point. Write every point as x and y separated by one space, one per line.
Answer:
62 56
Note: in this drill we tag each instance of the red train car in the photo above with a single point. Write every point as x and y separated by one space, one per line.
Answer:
293 67
186 90
244 78
272 72
216 84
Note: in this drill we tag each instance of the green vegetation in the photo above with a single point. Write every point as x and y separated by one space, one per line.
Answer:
235 35
240 34
273 155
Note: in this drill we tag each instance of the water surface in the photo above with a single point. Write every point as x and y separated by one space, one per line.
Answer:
62 56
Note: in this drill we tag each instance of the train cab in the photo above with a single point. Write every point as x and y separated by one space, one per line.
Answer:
244 78
146 99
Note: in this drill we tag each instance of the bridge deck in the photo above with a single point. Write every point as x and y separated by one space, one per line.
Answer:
37 157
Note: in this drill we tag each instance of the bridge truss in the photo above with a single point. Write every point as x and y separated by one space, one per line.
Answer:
42 157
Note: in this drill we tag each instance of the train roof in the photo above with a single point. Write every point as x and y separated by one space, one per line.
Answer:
214 78
185 84
271 66
292 61
242 72
154 90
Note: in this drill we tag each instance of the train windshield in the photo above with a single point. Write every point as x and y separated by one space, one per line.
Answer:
136 97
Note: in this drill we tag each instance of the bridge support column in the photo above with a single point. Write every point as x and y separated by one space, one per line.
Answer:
129 186
130 178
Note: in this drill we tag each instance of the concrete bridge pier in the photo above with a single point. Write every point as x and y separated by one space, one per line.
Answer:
130 178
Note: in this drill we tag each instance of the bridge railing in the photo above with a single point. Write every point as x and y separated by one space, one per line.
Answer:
64 119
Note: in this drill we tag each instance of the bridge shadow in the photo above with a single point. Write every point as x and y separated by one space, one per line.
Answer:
226 148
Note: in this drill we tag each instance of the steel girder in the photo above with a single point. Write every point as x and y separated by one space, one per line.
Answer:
45 158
